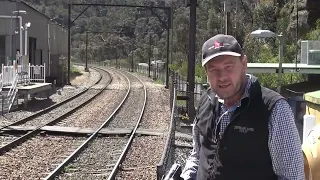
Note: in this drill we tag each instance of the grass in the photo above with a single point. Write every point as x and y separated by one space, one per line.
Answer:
158 81
74 72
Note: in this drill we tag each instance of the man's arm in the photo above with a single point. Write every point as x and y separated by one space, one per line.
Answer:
284 143
190 170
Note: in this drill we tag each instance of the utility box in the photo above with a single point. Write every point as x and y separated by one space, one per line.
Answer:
310 52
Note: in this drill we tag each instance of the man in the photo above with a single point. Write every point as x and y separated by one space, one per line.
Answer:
242 131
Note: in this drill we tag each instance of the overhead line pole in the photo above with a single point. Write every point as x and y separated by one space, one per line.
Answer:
191 60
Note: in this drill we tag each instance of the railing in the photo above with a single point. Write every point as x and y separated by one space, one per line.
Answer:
157 73
37 73
1 82
30 73
8 75
182 87
167 158
12 92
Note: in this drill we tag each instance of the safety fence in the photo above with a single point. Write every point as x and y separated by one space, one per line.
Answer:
167 158
8 75
157 71
26 74
37 73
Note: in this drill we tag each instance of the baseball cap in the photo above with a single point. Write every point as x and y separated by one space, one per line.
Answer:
218 45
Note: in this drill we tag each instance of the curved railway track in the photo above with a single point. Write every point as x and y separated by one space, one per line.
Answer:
116 154
53 111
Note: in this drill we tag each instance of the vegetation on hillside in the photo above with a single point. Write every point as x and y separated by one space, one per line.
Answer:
129 30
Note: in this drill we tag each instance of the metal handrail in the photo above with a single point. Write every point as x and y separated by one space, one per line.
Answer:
171 134
12 92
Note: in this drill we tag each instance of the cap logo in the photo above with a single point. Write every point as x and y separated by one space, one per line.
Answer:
217 45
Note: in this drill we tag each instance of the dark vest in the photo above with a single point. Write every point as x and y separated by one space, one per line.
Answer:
242 153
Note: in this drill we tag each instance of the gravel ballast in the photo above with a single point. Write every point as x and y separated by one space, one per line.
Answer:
7 138
38 104
37 156
96 161
142 158
130 111
96 112
157 113
45 118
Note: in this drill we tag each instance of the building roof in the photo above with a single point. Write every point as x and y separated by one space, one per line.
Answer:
23 2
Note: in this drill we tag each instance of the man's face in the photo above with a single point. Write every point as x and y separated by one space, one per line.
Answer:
225 74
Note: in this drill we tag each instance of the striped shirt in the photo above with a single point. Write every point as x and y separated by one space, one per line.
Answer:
284 141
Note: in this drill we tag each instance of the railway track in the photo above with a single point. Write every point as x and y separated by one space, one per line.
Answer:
53 113
97 154
50 108
100 157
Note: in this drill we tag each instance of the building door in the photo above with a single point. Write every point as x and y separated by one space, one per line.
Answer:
38 57
32 50
2 49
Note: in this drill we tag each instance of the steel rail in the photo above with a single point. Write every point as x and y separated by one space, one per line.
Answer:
132 135
38 129
57 170
41 112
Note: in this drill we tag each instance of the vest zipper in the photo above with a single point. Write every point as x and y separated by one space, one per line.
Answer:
216 127
233 117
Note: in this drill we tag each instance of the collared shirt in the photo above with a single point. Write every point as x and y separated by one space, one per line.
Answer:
284 141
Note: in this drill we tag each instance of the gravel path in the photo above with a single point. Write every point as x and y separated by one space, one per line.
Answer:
95 113
142 158
34 158
38 104
157 112
96 161
128 115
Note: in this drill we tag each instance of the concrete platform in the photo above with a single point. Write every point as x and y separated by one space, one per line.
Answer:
84 131
32 88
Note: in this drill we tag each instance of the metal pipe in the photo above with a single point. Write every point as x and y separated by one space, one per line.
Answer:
132 66
11 41
20 28
191 60
49 50
25 40
168 51
69 42
86 69
281 39
149 62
